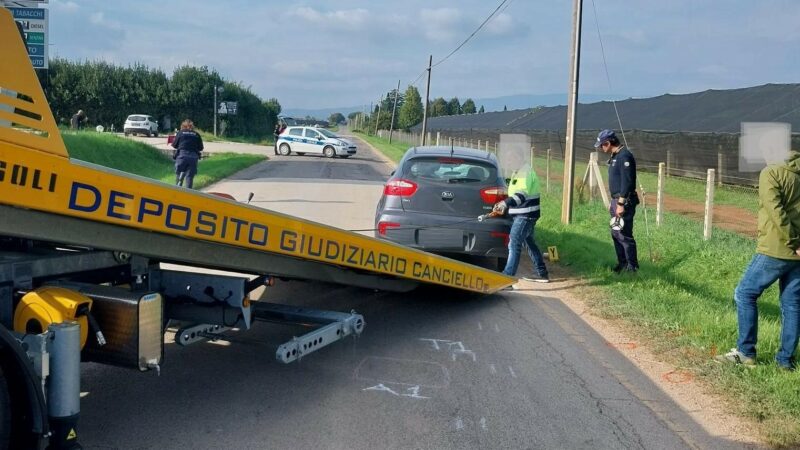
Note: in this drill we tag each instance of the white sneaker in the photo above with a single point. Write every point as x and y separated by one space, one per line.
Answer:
545 279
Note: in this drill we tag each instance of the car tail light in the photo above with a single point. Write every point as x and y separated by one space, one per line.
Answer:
403 188
382 226
492 195
497 234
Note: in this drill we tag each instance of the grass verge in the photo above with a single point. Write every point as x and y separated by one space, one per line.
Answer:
141 159
681 302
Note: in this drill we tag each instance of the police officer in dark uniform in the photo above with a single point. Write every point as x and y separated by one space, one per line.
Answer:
188 144
622 184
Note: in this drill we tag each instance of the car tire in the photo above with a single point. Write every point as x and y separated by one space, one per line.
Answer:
300 154
285 150
155 133
329 152
126 133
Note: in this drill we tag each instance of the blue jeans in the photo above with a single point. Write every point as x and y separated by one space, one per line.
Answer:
760 274
522 232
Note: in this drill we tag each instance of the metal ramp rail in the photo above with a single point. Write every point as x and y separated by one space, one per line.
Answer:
44 195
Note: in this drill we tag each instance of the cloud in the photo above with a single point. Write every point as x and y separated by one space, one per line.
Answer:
338 19
62 6
441 24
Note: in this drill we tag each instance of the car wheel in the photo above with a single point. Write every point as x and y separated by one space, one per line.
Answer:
127 133
300 154
329 152
155 133
285 149
148 134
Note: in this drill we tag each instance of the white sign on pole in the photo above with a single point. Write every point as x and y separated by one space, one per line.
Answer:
33 22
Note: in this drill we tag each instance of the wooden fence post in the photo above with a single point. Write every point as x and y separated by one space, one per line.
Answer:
438 135
660 195
709 215
720 164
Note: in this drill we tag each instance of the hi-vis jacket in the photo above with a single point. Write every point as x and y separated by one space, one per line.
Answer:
779 209
523 195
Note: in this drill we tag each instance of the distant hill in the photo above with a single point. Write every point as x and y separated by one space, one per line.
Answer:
521 101
707 111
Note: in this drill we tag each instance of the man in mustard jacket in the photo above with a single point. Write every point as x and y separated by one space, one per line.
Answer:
777 258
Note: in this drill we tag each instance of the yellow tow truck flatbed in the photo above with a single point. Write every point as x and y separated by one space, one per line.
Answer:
48 196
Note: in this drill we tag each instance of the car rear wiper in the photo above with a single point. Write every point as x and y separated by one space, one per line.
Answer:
462 180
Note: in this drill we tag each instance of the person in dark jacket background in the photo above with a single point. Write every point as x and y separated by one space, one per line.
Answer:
622 184
188 144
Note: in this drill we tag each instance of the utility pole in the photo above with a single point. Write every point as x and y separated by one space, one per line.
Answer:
215 109
394 108
378 117
572 107
370 116
427 98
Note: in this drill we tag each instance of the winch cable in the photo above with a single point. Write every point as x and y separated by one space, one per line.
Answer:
622 131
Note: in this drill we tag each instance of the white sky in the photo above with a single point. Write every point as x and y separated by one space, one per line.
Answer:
319 54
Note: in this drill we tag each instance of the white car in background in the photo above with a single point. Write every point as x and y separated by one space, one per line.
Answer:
141 124
319 141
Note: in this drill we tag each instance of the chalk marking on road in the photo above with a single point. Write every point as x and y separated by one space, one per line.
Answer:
511 371
480 326
459 424
460 348
496 328
483 423
492 369
414 393
381 388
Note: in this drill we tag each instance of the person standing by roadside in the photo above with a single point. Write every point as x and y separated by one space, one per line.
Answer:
187 144
523 206
78 120
622 184
777 258
277 133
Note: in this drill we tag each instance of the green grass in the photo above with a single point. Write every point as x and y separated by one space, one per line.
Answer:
141 159
393 151
681 302
208 136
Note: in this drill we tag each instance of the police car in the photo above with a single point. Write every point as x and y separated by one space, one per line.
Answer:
141 124
319 141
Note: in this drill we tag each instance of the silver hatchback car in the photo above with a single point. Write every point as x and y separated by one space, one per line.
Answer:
433 200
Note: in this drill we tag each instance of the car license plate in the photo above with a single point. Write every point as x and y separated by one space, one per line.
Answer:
441 238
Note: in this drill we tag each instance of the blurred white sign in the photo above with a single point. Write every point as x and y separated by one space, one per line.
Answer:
763 143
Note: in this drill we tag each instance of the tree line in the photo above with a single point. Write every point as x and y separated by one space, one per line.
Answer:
409 110
109 93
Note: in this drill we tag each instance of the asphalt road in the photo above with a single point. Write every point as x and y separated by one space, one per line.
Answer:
434 368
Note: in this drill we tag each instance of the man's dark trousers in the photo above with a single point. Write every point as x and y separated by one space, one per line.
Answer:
624 243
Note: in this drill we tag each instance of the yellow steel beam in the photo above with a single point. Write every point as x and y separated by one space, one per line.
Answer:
36 174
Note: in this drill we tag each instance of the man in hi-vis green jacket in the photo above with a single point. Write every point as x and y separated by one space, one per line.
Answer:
777 258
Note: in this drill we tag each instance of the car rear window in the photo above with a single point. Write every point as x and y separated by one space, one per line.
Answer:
450 170
137 118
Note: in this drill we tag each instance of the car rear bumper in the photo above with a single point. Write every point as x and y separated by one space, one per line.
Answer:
137 130
446 234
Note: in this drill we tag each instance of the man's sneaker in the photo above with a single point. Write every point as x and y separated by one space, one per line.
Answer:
618 268
737 357
539 279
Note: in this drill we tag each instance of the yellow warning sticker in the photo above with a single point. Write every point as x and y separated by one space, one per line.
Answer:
72 434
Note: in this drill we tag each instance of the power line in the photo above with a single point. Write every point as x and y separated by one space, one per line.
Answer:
492 15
